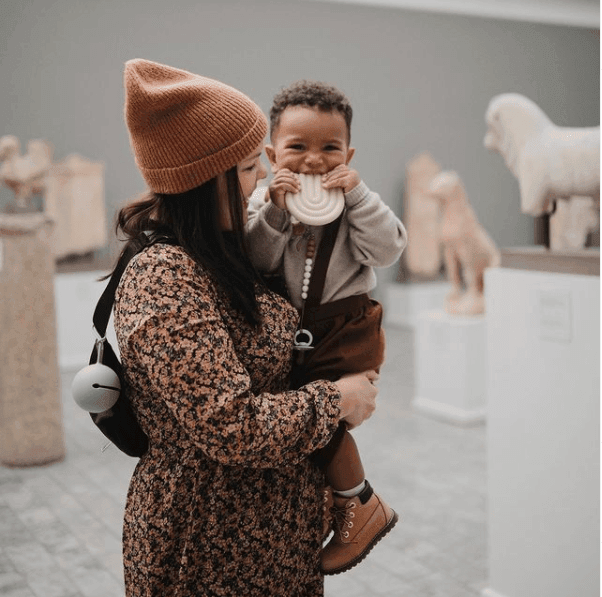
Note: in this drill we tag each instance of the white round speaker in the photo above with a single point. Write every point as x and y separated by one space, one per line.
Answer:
96 388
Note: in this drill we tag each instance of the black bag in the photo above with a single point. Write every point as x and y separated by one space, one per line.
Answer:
118 424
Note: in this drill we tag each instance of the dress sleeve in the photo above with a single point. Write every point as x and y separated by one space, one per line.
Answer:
185 351
268 230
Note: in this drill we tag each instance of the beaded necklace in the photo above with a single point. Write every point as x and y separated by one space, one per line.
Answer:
316 268
303 338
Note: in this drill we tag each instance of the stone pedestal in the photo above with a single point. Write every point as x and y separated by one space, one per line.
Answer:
543 431
450 353
31 431
406 301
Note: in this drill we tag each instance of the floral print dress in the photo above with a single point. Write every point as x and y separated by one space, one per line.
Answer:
226 501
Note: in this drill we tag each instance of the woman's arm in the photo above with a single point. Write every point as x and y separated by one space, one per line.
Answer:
190 362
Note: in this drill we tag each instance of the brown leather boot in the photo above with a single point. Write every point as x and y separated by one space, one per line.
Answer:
327 513
359 524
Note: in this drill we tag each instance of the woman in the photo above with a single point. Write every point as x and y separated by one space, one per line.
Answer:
226 501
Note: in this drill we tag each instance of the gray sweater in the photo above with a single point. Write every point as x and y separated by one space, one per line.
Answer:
370 236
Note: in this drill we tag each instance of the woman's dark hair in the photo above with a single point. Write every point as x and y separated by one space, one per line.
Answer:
191 220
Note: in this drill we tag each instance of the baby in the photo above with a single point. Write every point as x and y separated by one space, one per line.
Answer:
310 129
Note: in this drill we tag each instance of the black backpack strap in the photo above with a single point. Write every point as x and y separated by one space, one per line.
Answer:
102 313
104 307
119 424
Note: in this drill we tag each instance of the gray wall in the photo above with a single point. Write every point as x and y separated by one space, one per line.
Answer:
416 80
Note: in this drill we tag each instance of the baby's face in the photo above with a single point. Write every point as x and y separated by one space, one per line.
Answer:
309 141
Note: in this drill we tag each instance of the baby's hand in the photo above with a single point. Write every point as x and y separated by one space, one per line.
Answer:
284 181
341 177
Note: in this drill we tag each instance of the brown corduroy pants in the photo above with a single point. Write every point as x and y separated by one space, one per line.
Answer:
348 338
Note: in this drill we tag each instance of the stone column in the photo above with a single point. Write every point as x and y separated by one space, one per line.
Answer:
31 429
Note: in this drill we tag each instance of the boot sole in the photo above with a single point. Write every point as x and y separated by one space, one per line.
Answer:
359 558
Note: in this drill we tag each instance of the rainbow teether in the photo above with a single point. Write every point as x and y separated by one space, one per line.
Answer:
315 205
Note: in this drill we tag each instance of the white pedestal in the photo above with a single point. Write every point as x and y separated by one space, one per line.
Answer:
404 302
543 434
76 298
450 353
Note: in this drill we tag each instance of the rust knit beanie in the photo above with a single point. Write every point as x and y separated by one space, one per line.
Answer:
186 129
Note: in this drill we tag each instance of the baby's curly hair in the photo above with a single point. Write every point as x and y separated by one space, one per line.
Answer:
310 93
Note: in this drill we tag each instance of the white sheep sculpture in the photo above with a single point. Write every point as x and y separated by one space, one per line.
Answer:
549 161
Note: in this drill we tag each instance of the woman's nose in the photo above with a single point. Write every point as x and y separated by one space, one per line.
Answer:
262 171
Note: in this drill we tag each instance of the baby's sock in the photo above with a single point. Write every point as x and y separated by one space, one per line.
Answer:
349 493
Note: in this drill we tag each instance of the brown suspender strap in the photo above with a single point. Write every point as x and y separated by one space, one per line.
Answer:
318 275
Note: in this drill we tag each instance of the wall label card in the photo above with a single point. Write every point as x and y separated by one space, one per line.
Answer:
555 321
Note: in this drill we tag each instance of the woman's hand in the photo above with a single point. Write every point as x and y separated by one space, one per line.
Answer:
358 397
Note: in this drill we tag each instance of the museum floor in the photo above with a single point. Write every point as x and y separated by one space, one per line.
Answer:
60 525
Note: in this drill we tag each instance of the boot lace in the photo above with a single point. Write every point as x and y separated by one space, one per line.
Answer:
342 516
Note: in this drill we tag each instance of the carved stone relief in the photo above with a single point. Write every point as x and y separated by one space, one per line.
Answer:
75 201
423 257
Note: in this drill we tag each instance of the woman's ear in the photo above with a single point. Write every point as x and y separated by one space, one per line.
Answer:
350 154
271 153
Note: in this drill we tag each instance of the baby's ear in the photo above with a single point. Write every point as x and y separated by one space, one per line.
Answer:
271 153
350 154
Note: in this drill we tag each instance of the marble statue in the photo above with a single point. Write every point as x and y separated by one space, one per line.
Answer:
72 192
549 161
572 222
24 174
422 215
467 248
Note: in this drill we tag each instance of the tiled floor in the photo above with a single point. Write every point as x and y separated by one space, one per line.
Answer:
60 525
